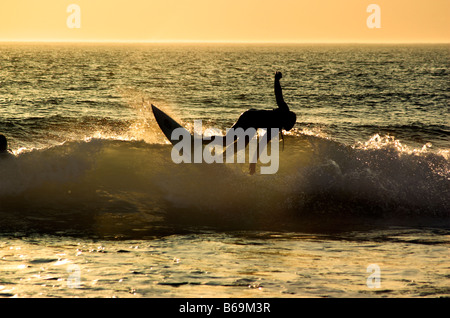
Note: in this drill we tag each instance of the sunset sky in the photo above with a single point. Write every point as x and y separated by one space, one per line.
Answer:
226 21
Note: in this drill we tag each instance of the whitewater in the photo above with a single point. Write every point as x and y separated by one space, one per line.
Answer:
363 178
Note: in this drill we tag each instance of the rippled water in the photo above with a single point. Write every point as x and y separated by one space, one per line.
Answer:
91 204
412 263
348 92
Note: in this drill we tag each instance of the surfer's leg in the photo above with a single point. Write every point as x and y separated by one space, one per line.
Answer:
243 122
243 128
259 149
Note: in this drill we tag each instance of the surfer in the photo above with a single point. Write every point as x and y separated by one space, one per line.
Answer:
240 134
281 118
4 151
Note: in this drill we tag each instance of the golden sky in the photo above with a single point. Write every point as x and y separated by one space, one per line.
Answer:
226 20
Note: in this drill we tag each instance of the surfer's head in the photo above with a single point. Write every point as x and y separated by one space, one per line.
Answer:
288 121
3 143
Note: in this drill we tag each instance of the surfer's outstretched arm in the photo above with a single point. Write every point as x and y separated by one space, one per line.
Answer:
278 92
260 148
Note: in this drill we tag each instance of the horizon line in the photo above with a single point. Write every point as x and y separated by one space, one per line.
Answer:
211 42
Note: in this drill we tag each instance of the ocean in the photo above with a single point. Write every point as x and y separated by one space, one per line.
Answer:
92 205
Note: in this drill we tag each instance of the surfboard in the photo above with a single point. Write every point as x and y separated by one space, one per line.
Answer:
167 124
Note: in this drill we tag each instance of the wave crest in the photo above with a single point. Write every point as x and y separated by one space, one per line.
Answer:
118 187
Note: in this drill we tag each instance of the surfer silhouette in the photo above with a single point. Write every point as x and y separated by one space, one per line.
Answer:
4 151
281 118
245 129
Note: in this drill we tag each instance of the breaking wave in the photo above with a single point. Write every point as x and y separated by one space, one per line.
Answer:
122 188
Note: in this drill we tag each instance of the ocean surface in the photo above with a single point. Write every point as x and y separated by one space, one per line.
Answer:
92 205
